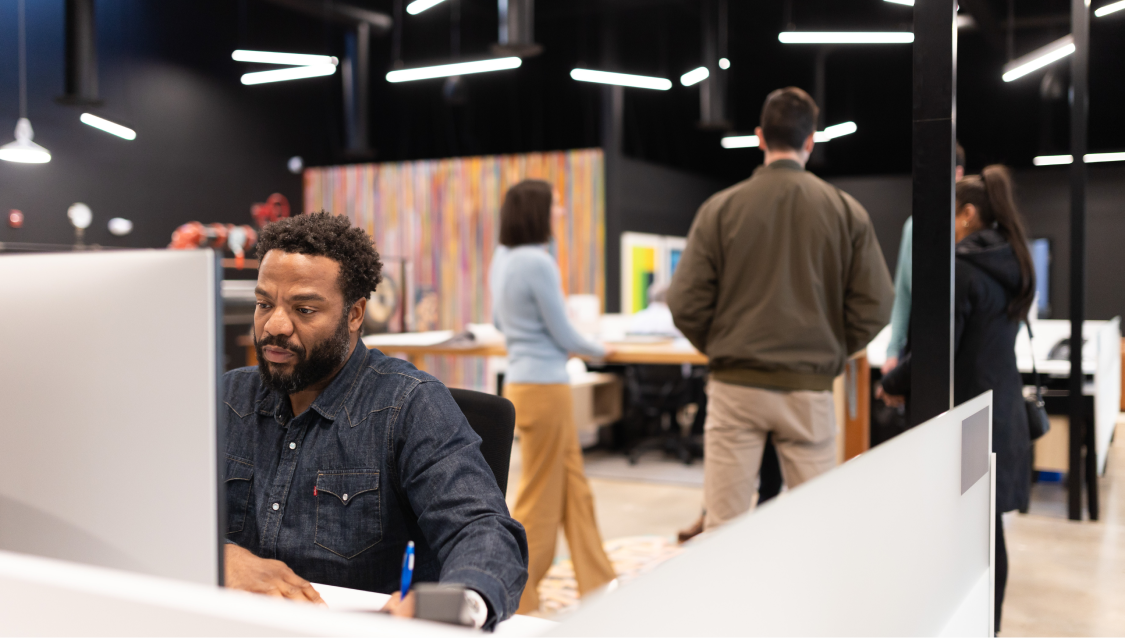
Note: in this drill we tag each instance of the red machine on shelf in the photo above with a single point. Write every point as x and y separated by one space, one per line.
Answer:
238 239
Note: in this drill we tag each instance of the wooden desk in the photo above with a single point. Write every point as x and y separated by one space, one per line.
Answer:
662 353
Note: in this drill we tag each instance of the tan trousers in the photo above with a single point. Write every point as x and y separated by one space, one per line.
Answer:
553 490
738 420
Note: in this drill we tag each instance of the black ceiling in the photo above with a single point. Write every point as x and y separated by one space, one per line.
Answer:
538 107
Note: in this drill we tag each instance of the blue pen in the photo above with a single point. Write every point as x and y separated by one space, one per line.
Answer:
407 569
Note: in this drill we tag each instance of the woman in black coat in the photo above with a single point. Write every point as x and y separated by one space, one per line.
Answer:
994 288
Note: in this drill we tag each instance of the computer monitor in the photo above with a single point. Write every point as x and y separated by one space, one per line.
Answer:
108 410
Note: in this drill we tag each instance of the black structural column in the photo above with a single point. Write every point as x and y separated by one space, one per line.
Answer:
935 131
355 75
1081 430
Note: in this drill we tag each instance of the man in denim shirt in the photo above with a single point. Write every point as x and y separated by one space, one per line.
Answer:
338 455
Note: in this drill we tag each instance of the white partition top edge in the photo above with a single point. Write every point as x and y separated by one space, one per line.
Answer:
887 544
124 603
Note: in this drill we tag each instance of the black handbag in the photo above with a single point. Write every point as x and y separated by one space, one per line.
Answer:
1037 422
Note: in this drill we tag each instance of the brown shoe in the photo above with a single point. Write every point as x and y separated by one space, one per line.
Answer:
695 530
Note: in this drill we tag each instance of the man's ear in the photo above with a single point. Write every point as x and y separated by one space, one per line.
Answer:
761 139
809 142
355 315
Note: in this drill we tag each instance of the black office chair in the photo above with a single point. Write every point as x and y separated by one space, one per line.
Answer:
493 418
655 395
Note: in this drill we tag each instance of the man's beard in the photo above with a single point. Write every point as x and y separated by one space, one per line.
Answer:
309 368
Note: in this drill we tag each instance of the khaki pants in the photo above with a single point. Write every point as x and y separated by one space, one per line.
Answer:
553 491
738 419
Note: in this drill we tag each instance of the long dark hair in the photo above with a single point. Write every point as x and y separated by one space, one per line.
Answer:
991 194
525 216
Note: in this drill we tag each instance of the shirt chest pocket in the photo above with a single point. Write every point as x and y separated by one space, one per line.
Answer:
239 476
347 511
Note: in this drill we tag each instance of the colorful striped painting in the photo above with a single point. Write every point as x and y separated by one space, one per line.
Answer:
443 216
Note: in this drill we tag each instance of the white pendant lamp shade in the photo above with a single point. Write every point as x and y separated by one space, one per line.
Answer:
23 149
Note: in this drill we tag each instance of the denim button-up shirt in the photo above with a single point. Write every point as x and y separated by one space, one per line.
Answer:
383 456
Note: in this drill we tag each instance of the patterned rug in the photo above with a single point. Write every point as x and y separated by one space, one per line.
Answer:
631 557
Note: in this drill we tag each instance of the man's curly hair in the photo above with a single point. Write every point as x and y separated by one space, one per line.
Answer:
331 236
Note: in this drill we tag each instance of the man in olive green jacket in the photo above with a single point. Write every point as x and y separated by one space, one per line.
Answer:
782 278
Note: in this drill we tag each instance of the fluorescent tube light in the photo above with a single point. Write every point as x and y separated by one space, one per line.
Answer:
291 73
724 63
829 133
418 6
271 57
694 76
834 131
740 141
909 3
458 68
1110 8
621 79
113 128
1091 158
845 37
1039 58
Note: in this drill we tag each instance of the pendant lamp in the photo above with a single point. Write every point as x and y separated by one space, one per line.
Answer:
23 149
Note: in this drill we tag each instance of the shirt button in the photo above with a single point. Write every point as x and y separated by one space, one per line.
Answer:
292 446
345 497
276 507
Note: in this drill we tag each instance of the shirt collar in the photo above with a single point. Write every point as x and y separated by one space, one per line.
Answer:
331 400
781 163
329 403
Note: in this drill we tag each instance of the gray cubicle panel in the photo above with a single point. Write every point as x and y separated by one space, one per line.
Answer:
108 410
898 541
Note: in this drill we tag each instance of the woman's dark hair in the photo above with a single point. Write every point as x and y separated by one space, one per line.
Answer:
788 118
991 194
525 216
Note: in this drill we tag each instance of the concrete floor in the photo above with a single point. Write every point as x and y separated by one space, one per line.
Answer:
1066 578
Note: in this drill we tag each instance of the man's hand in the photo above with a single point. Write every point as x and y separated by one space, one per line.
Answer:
398 606
892 400
264 576
890 364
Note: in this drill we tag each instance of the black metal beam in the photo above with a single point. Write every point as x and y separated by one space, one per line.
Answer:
81 54
1079 420
338 12
355 73
713 90
986 21
935 132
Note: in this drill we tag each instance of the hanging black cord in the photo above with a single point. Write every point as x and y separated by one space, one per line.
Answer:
23 57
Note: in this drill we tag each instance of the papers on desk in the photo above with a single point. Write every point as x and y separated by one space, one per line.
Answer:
355 600
390 340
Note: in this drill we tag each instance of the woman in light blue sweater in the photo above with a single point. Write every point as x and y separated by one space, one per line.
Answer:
528 307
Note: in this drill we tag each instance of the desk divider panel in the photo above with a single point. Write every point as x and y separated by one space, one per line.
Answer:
1107 389
886 544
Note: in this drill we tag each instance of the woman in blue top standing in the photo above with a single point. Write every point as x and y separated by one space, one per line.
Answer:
528 307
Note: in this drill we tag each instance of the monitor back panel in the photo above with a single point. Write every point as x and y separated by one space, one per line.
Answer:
108 395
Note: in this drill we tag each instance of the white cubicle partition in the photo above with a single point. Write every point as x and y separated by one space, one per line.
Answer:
48 597
109 366
1107 387
895 542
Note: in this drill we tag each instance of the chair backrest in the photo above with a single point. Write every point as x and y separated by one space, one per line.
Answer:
493 418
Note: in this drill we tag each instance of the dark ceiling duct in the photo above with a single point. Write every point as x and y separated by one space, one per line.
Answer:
713 90
517 29
81 54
